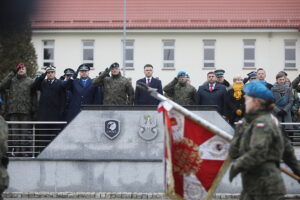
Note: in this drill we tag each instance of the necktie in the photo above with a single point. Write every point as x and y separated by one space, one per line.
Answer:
49 82
210 87
148 82
84 83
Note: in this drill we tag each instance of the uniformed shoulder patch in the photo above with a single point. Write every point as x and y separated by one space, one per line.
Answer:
260 125
239 123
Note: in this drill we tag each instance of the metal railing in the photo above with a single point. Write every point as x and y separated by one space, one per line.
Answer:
292 129
29 138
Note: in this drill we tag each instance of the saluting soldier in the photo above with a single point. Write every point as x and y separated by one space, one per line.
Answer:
83 91
51 105
20 103
118 90
258 146
180 91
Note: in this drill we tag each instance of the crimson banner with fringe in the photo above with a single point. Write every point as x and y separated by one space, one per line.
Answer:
195 157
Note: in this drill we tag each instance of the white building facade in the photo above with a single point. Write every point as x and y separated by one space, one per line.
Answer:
196 51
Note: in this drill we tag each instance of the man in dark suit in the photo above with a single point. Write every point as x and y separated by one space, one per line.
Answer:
213 93
143 97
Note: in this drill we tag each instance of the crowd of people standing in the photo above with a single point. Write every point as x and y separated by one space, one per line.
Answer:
47 98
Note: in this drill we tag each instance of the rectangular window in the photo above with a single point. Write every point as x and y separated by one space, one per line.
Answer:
48 53
88 51
168 53
290 53
209 53
129 54
249 53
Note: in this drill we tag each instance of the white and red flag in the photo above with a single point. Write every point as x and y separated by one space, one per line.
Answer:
195 156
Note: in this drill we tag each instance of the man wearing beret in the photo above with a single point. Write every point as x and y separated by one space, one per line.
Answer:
20 104
180 91
143 97
83 91
118 90
220 78
258 146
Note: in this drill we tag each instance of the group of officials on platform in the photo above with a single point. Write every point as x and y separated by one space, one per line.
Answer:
258 145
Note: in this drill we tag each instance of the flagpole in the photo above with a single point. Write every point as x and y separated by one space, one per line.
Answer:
153 92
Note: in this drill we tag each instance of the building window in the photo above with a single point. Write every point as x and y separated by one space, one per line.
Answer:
290 53
249 53
209 53
88 52
48 53
169 53
129 54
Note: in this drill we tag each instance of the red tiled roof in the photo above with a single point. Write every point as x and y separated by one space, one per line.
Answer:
166 14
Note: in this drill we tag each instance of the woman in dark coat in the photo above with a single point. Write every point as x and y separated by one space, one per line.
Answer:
283 99
236 102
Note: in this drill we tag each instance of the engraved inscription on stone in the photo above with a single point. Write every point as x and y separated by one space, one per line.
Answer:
112 129
148 127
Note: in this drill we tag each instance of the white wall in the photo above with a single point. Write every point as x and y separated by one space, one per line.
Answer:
188 52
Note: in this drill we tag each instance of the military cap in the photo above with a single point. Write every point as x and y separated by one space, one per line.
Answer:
258 89
219 72
84 67
252 74
50 68
114 65
69 71
181 73
283 72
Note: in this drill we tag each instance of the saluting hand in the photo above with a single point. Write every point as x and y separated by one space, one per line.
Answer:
234 171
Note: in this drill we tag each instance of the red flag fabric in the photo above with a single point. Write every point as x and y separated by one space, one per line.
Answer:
194 157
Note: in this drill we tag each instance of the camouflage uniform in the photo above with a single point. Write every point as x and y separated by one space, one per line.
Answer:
181 93
20 101
118 90
4 179
258 146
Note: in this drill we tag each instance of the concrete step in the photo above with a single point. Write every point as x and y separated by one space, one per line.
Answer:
116 196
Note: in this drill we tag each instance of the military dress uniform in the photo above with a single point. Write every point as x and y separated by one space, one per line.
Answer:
118 90
258 146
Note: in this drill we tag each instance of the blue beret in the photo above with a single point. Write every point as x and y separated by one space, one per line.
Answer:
181 73
258 89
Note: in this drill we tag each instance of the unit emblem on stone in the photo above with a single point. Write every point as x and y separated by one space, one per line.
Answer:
112 129
148 130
